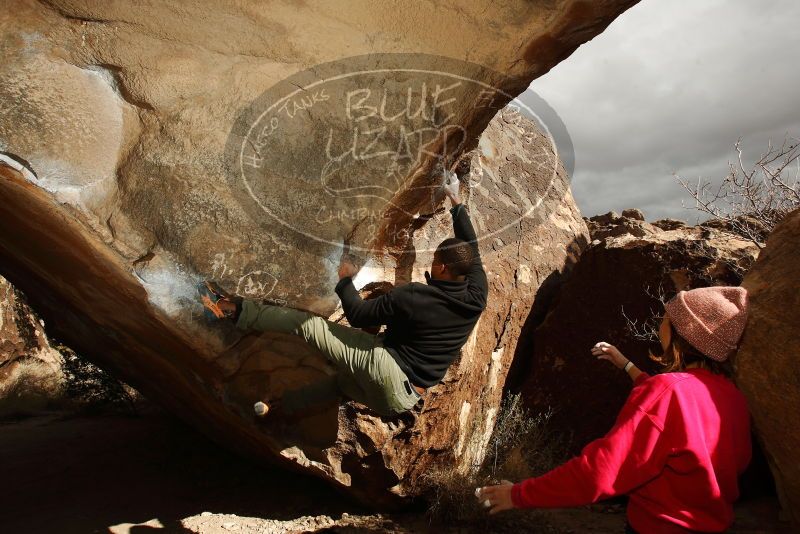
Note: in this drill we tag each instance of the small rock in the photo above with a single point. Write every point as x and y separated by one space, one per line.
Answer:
606 218
633 213
669 224
206 514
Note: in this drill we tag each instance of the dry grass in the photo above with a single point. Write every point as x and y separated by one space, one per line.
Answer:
88 387
30 387
521 446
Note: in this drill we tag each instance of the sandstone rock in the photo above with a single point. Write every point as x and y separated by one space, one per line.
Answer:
633 213
669 224
747 226
619 277
211 380
606 218
25 351
766 363
631 222
177 141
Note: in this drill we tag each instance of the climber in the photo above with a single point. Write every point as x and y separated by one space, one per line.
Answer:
426 326
680 441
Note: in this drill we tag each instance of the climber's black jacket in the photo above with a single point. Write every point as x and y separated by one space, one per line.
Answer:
426 324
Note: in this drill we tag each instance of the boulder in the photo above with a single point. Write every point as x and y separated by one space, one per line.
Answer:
159 144
631 222
633 213
747 226
97 301
766 364
615 294
669 224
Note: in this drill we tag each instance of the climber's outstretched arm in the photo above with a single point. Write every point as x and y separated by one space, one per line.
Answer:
462 228
362 313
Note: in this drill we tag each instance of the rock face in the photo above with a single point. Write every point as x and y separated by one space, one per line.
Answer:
165 143
99 302
626 275
22 341
90 296
766 363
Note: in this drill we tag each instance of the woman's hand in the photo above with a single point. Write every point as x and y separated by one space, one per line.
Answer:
606 351
496 498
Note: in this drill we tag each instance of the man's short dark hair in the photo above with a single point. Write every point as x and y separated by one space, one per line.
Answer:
456 254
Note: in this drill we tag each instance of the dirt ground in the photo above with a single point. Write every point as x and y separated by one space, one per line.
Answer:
151 473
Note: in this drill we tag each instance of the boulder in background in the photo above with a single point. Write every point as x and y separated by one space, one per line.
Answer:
767 369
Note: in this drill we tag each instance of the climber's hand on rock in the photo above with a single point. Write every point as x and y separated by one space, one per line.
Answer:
450 186
496 498
347 264
347 268
606 351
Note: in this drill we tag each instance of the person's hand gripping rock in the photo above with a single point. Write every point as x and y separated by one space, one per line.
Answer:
347 263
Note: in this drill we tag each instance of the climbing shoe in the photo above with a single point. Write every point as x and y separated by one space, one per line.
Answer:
210 295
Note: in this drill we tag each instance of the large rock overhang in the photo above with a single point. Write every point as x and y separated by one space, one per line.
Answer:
126 114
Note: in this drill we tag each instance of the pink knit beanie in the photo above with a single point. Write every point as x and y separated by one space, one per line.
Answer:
711 319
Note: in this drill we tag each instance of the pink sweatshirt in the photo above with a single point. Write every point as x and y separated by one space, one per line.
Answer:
677 449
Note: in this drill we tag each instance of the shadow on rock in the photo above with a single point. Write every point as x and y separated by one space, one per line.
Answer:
121 474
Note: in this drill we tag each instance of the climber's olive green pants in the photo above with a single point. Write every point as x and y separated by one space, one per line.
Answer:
366 372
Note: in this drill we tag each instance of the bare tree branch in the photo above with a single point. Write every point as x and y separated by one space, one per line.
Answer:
752 200
647 330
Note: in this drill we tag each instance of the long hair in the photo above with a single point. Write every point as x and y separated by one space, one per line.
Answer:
680 354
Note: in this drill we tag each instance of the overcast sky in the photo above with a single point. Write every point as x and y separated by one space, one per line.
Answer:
668 88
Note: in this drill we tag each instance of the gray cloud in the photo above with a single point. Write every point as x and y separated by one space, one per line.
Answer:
668 88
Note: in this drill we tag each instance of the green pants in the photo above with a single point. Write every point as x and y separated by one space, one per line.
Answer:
366 372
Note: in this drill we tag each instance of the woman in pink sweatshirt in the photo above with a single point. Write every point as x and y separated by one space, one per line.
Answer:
680 441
